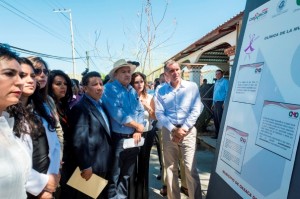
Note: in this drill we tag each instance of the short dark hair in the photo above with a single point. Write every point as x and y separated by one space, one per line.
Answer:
219 70
106 79
76 82
7 53
86 78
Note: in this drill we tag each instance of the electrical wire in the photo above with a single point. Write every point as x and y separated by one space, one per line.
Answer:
29 19
41 54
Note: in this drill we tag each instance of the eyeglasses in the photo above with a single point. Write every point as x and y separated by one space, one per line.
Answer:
39 71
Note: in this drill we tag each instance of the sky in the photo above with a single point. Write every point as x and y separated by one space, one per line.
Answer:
109 30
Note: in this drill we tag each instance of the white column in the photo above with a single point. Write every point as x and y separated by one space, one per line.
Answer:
195 74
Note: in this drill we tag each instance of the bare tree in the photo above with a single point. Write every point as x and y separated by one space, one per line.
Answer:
149 34
148 38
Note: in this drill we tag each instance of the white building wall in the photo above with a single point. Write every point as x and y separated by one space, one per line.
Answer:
229 38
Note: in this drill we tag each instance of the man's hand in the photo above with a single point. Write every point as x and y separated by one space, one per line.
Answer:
137 137
137 126
212 107
87 173
178 135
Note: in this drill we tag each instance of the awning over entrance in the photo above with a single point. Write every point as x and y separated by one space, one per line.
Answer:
215 54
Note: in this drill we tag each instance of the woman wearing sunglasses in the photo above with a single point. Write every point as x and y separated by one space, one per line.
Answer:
41 75
45 148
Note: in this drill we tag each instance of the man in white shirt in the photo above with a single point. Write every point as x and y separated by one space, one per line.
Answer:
177 107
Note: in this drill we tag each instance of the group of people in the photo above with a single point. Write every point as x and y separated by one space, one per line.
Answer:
48 130
32 135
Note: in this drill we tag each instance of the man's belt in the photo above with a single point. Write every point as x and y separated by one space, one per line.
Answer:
122 135
220 101
178 125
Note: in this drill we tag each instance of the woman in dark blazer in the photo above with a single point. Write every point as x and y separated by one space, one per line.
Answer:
89 145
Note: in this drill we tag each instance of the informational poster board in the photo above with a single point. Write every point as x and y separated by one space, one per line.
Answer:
257 150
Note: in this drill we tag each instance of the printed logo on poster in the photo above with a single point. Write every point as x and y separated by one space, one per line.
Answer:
257 70
281 8
250 46
281 5
297 7
259 15
294 114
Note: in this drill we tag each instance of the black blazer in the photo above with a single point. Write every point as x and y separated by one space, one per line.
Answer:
89 143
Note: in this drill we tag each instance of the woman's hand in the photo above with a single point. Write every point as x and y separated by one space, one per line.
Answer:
52 183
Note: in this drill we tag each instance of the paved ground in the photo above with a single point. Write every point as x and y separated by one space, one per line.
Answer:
205 157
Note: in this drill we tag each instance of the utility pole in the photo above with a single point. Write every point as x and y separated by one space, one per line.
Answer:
87 59
72 37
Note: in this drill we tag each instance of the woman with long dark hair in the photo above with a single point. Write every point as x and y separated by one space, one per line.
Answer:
15 160
139 83
60 89
42 71
41 125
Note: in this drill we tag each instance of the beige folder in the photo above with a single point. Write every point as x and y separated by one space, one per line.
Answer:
93 187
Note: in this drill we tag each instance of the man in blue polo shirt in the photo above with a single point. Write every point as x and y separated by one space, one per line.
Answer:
219 96
126 115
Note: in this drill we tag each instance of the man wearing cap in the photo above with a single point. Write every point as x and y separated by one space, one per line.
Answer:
126 115
177 107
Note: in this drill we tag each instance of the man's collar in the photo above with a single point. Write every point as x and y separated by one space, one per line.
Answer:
220 79
95 102
182 84
121 85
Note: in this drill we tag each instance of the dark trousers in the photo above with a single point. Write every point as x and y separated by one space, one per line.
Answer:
140 178
218 111
122 169
158 148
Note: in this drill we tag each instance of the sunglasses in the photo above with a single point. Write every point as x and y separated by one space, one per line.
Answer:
39 71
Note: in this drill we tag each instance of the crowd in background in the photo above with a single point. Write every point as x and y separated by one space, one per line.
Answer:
51 124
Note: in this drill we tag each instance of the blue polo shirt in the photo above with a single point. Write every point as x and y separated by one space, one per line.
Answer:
123 106
220 90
